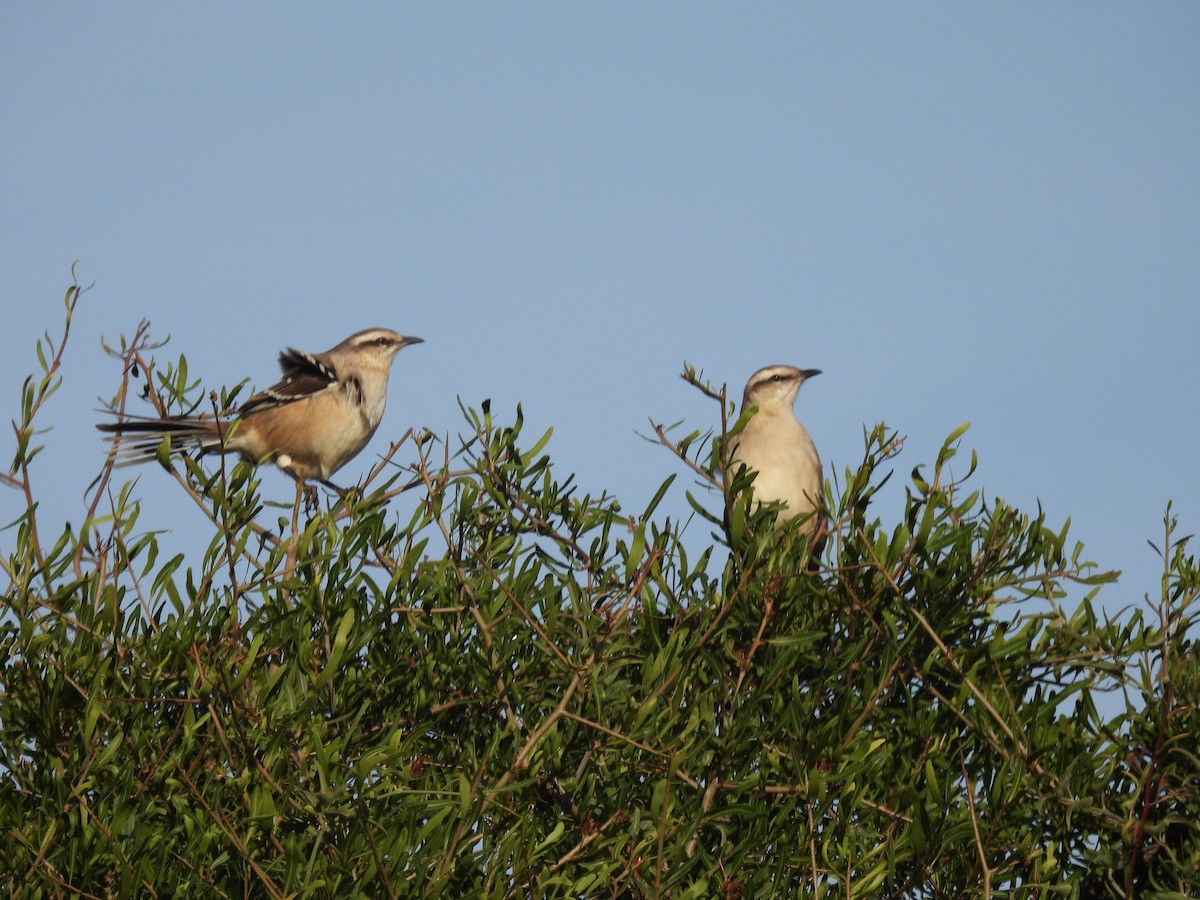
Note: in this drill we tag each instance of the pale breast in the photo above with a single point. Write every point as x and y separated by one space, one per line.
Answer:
787 465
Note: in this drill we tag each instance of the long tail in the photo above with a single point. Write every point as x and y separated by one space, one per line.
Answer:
137 440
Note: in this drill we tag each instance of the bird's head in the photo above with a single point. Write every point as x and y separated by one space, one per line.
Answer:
380 344
775 386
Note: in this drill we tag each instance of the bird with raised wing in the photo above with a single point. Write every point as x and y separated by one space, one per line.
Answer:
776 448
315 420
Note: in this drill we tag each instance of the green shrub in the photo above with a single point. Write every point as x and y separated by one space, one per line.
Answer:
522 690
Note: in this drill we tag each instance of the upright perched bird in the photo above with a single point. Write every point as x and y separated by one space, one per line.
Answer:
775 445
313 422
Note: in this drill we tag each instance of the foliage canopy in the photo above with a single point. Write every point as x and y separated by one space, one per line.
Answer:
518 689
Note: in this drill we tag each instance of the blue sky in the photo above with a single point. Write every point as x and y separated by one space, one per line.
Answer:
958 212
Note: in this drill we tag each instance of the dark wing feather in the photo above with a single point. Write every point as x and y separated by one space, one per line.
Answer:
303 375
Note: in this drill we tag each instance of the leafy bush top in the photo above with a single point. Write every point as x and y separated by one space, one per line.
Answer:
525 691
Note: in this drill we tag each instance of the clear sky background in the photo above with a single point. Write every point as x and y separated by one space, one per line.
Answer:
959 212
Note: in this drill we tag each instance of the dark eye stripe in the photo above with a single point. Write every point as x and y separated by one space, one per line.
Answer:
774 378
380 341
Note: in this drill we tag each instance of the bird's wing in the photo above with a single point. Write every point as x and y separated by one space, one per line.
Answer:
304 374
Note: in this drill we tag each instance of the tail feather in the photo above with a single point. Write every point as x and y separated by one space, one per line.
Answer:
137 440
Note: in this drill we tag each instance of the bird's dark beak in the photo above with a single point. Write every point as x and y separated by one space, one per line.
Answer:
411 340
809 373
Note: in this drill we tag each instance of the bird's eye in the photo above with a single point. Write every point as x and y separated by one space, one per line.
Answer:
383 341
777 378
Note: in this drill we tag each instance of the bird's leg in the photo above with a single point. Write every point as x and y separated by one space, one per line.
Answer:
341 492
302 486
348 495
